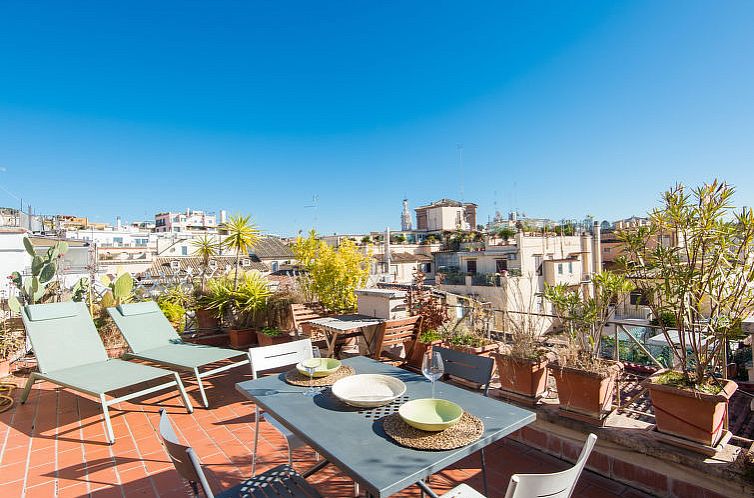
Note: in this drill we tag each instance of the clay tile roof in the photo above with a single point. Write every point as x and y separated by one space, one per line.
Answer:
404 257
271 248
165 266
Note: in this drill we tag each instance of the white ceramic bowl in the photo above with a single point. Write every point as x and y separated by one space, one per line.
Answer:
368 390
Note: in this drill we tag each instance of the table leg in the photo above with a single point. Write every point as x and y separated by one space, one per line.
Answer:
321 465
332 339
426 489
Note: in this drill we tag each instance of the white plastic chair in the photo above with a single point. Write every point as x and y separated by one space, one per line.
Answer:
556 485
267 358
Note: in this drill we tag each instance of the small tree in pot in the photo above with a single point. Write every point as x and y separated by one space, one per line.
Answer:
420 301
694 264
238 303
522 362
585 381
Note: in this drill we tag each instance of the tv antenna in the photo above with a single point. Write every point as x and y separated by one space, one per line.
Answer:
313 205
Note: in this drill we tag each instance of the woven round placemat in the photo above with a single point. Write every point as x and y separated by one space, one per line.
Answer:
466 431
298 379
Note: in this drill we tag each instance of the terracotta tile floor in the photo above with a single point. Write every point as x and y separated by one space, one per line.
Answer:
53 446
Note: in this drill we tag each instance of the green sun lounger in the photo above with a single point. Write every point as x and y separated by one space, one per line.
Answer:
151 337
70 353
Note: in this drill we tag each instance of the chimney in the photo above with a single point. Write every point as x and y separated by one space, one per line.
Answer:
223 216
597 248
117 223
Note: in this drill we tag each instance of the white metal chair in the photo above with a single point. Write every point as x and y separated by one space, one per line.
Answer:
556 485
267 358
281 481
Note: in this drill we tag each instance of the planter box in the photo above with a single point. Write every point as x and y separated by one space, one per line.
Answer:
206 320
585 393
242 338
266 340
526 378
698 417
479 351
219 340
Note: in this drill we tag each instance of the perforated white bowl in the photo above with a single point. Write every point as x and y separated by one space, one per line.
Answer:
368 390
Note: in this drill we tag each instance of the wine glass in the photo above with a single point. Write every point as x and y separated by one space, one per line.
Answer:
310 365
433 367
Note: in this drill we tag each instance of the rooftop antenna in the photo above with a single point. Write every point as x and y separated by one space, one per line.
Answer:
313 205
459 147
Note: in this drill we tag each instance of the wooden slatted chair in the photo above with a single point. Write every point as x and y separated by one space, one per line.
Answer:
393 333
280 481
304 313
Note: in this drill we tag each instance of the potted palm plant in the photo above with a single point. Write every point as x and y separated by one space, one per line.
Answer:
585 381
239 304
522 362
206 248
694 262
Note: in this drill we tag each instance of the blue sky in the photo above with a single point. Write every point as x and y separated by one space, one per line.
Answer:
563 108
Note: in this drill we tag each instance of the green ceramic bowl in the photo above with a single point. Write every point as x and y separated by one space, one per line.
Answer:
327 366
430 414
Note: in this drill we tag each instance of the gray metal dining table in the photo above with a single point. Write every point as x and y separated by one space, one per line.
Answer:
353 438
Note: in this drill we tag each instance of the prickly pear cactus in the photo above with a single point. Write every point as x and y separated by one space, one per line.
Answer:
43 270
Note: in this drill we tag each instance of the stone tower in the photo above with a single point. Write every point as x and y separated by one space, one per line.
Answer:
405 217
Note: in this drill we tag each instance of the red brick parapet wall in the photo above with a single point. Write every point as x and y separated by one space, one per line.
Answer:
648 473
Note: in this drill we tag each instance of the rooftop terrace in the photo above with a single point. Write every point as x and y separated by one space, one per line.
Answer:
53 446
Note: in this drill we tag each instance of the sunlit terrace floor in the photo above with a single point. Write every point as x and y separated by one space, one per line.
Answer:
54 446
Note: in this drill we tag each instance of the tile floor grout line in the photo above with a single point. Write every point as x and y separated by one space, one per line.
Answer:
31 443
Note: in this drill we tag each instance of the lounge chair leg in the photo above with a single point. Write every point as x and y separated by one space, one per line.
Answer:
106 415
201 388
484 473
256 441
186 400
27 388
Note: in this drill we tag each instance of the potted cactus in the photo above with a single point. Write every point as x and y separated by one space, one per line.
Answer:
585 381
33 288
694 264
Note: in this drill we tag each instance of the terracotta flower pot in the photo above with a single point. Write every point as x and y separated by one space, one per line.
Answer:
523 377
206 321
418 350
266 340
694 416
586 393
219 340
241 338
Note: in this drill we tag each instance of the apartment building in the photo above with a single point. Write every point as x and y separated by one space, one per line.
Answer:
188 221
446 214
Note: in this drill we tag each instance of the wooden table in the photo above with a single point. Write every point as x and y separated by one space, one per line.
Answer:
344 326
354 440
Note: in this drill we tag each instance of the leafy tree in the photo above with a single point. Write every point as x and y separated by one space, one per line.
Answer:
332 274
702 278
506 233
584 316
242 234
422 302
